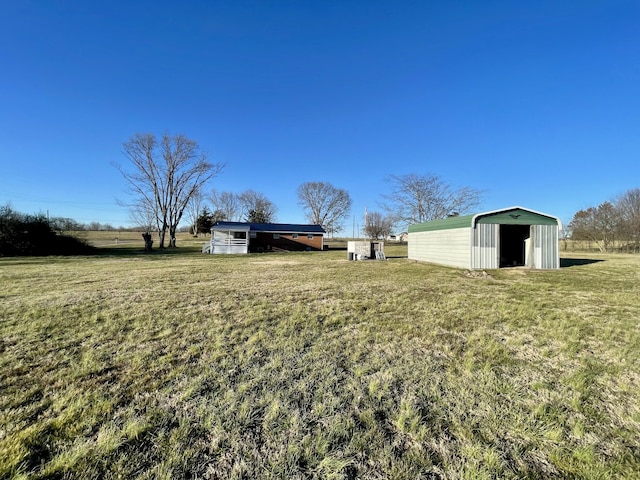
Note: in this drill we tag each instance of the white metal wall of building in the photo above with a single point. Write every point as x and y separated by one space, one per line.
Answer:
546 253
485 246
450 247
513 236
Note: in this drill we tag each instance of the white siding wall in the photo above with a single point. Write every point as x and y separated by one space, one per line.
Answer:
447 247
223 242
229 249
485 246
545 247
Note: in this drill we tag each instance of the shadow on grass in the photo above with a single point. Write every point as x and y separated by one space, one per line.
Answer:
574 262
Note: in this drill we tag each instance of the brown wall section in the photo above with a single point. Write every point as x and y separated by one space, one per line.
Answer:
265 241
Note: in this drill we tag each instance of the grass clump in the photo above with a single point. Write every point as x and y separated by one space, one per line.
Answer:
305 365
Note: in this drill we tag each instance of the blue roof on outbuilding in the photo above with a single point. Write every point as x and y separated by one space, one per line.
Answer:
269 227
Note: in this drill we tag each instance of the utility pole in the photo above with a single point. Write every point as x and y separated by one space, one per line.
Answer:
364 225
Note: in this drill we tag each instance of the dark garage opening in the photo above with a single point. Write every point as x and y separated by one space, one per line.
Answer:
512 246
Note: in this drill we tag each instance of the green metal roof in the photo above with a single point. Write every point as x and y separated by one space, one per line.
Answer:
505 216
442 224
517 216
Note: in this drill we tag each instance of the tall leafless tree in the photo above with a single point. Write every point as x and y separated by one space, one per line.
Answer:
324 204
144 217
421 198
598 224
376 225
226 205
194 208
166 174
628 206
256 207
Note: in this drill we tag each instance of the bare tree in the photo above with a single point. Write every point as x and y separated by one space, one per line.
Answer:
166 174
377 225
324 204
421 198
256 207
227 204
194 208
144 217
628 206
599 225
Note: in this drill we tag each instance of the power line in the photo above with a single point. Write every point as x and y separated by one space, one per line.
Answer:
48 201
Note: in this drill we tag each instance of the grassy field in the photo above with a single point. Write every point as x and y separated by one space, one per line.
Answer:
305 365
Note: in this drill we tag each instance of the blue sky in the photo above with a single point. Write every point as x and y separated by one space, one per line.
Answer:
535 103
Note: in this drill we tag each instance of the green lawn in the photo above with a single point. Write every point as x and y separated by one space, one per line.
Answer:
305 365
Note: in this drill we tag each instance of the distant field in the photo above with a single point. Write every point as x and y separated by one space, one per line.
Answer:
129 239
125 239
305 365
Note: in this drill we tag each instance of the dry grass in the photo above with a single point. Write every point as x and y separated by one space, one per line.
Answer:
305 365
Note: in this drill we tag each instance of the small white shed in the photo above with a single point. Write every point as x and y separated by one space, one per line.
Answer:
365 250
508 237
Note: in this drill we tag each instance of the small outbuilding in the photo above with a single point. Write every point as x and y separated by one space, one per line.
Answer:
241 237
509 237
365 250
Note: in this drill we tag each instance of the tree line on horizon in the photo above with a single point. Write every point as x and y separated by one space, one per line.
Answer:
414 199
614 222
166 178
323 203
170 173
